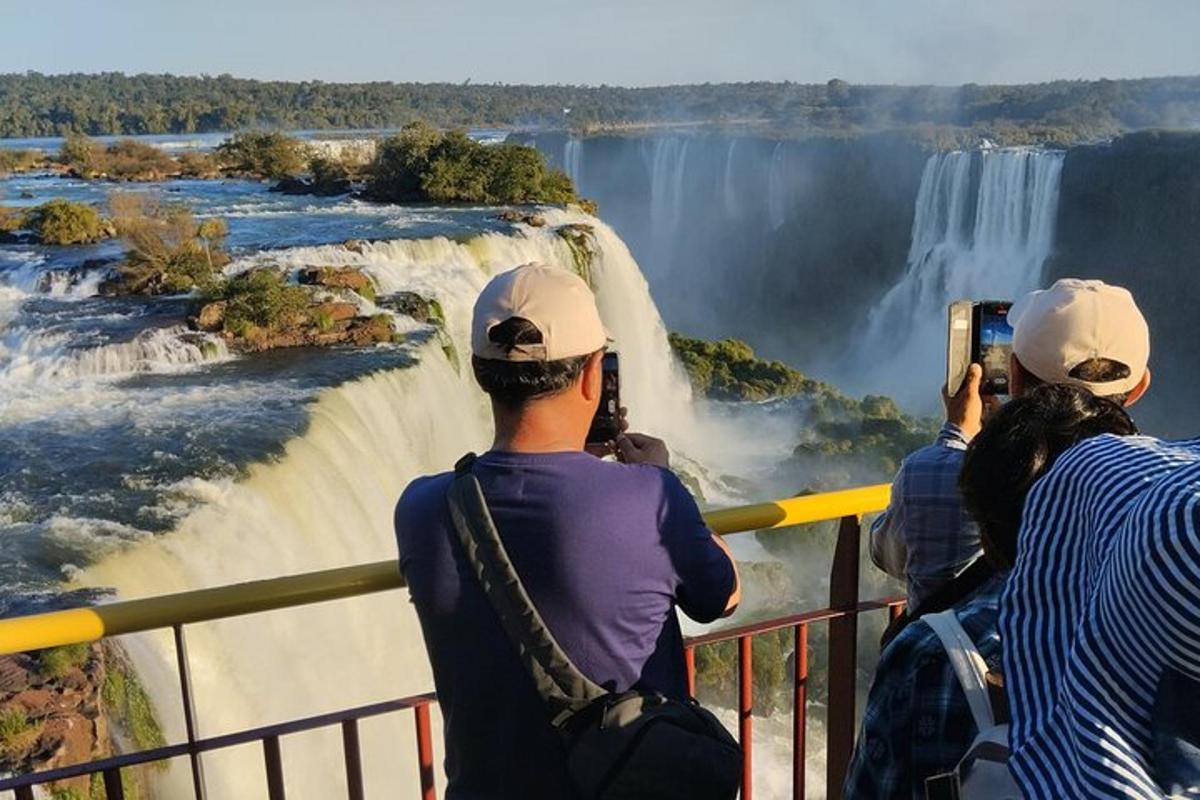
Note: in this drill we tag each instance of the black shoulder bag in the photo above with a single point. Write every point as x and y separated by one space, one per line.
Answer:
633 744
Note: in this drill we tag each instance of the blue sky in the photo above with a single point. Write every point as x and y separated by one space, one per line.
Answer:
616 42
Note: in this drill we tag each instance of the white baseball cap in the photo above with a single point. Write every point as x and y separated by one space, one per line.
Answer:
1057 329
558 303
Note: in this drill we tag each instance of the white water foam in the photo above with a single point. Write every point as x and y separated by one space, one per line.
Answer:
983 228
327 502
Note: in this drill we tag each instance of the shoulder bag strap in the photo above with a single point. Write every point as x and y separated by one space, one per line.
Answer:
562 686
968 665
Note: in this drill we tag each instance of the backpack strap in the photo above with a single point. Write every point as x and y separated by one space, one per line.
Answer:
563 688
969 666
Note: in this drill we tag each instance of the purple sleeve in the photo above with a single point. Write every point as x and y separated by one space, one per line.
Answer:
705 576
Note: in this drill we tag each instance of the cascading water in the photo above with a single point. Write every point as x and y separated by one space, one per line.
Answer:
326 502
573 160
983 229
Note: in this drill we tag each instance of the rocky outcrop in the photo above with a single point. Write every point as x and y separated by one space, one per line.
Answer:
338 278
328 188
421 309
52 711
524 217
356 331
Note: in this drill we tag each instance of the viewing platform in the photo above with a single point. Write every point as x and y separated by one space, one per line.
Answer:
176 612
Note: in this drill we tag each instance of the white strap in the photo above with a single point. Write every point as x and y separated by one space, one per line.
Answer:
968 665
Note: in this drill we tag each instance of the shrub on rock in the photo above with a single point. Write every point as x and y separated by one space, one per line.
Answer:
262 154
61 222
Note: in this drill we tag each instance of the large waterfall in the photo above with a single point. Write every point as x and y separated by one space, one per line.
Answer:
983 228
778 242
326 501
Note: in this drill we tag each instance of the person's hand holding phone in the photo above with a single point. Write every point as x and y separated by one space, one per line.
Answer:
966 409
638 448
609 448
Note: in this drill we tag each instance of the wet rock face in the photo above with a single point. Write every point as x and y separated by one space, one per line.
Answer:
422 309
337 278
52 712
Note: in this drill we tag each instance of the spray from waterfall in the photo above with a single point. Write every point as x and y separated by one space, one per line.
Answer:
983 228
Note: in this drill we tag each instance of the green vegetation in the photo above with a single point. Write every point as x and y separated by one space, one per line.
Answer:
267 154
19 160
262 302
717 669
11 219
123 160
167 251
855 440
60 222
32 104
130 706
422 164
14 725
58 661
127 160
729 370
581 239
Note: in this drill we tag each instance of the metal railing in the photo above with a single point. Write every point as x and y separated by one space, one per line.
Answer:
176 611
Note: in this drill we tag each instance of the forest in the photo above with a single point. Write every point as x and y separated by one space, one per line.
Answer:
32 104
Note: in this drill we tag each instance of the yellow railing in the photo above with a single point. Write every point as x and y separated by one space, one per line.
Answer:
72 626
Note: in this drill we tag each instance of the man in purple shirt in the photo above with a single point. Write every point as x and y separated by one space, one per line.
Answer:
606 550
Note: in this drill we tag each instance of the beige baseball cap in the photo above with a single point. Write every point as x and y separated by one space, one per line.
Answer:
556 301
1057 329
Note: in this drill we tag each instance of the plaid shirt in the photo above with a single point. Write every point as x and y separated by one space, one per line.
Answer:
925 537
917 723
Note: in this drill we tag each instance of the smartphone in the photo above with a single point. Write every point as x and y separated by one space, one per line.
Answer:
979 333
606 425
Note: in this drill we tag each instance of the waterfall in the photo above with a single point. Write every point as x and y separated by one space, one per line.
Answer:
777 198
983 228
327 501
573 160
667 164
729 189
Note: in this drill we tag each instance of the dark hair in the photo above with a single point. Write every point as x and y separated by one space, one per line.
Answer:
1093 370
1018 446
514 383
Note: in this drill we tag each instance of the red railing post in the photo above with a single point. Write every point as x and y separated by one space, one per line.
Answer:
189 712
113 788
745 711
689 660
273 760
895 611
843 656
353 757
425 751
799 710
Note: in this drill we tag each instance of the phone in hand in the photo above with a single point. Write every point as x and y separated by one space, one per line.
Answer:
979 333
606 425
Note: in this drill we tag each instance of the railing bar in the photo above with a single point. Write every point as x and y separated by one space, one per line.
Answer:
24 793
89 623
353 756
689 660
113 788
425 752
189 711
799 710
273 761
216 742
745 712
820 615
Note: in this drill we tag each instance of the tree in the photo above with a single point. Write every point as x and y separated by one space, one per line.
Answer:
263 155
60 222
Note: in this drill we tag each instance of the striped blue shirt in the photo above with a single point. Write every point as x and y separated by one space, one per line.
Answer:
1104 598
925 537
